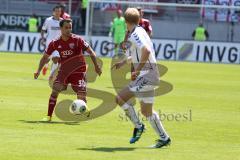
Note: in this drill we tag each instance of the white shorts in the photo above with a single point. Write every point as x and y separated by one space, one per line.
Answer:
143 87
55 54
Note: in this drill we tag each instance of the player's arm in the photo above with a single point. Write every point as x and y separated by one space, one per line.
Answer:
122 63
123 44
42 62
149 30
143 59
111 30
142 62
44 59
43 31
94 60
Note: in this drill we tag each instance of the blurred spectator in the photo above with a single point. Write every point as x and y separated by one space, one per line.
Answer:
84 5
64 14
200 33
33 23
118 30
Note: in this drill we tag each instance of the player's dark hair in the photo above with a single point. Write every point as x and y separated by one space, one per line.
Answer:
56 7
64 21
139 8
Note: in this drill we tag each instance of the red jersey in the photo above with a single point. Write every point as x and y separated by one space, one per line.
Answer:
71 53
65 16
145 24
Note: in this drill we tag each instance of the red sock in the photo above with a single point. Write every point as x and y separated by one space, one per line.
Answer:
51 104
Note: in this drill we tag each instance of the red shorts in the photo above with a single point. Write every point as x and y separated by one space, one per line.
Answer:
77 81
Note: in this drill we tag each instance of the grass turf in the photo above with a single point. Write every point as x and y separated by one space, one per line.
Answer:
210 91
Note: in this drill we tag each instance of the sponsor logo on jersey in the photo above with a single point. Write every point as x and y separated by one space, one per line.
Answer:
67 52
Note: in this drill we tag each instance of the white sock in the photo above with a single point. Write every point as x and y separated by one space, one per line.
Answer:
54 67
157 126
131 114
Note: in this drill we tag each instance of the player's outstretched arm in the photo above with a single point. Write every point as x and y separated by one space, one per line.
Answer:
42 62
42 40
92 54
122 63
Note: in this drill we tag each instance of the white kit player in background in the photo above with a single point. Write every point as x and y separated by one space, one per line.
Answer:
51 26
145 78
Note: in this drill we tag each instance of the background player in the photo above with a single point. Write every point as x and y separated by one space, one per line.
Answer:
64 14
145 23
72 64
146 77
51 26
118 29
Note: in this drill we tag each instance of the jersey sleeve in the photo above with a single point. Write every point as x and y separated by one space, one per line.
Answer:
49 50
138 39
83 44
45 25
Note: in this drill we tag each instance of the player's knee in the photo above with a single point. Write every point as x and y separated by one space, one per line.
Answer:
58 88
146 113
118 100
55 60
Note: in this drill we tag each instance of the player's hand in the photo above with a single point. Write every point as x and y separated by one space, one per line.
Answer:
134 75
118 65
123 46
36 74
43 41
98 70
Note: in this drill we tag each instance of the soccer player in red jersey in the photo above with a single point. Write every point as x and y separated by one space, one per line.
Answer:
64 14
145 23
72 64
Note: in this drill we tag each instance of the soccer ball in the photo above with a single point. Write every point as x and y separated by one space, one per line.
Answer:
78 107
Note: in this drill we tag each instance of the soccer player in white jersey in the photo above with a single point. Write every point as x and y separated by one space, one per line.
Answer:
145 78
51 26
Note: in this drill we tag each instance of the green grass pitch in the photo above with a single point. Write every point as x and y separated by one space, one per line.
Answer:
210 91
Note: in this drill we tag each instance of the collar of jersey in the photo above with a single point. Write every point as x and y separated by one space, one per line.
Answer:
134 29
55 19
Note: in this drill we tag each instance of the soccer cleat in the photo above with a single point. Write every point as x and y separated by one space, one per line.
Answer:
160 143
44 71
47 119
137 132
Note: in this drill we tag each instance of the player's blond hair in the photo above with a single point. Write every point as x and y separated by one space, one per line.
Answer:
132 16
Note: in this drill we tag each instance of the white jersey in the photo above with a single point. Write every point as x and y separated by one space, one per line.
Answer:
52 27
138 39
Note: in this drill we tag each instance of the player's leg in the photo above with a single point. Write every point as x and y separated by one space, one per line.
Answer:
78 84
55 59
45 68
57 88
116 42
153 118
122 100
